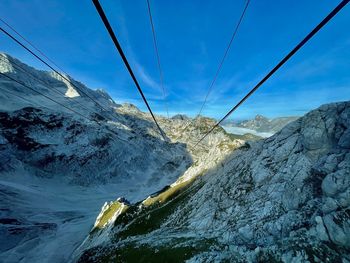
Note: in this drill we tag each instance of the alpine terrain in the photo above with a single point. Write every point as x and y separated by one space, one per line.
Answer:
85 179
282 199
61 162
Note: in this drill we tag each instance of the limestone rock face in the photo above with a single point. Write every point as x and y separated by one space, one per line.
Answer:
285 198
292 188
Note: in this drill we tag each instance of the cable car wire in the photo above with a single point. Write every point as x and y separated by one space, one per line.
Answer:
234 33
61 75
55 101
19 67
280 64
32 45
121 53
161 77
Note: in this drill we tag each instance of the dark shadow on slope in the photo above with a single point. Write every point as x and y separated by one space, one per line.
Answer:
55 144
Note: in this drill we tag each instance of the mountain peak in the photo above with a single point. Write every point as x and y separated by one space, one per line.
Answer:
131 108
180 117
6 63
260 117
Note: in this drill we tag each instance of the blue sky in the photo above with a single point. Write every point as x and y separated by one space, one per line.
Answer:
192 36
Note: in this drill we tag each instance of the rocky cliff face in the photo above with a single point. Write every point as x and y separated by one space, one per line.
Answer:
282 199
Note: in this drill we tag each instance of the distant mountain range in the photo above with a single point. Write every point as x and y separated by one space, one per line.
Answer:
262 124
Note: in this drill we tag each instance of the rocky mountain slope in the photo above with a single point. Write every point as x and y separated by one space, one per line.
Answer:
282 199
58 167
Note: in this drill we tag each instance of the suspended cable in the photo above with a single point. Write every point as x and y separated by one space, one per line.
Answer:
117 45
19 96
157 56
17 66
42 94
234 33
32 45
47 97
38 50
284 60
61 75
224 57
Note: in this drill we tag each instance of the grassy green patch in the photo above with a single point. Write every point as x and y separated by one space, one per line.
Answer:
167 194
131 252
110 212
153 216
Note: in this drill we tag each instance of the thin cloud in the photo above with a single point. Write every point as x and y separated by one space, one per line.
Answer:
139 70
144 76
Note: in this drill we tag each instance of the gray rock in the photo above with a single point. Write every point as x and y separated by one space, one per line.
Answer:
329 205
336 183
246 232
344 140
320 229
314 135
338 226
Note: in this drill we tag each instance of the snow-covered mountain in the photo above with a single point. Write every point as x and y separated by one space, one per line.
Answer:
282 199
58 167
